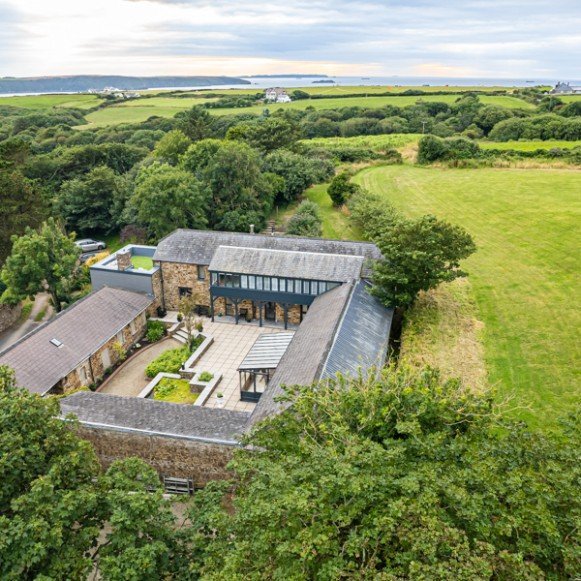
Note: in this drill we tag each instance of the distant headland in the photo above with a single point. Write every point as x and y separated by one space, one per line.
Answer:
82 83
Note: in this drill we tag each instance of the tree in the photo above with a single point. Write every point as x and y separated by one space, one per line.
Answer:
188 307
55 502
403 477
195 123
171 147
341 188
297 171
418 255
167 198
306 221
268 134
94 201
41 260
22 205
241 195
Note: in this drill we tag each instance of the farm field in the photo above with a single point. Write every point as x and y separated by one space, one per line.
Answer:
375 102
138 110
79 101
327 89
524 276
375 142
529 145
570 98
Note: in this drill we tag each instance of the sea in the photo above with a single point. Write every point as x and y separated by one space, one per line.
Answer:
288 81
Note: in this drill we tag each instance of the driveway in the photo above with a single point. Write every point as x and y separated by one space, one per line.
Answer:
130 379
21 328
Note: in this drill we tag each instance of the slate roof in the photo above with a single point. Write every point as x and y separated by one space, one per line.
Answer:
362 338
287 263
305 357
346 330
82 329
199 246
141 414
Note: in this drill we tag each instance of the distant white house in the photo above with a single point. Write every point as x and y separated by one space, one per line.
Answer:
564 89
277 95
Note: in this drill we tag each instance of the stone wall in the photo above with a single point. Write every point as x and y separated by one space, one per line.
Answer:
93 369
8 316
157 285
184 275
293 314
172 457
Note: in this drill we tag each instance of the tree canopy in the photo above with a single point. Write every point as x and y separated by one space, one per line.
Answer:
40 260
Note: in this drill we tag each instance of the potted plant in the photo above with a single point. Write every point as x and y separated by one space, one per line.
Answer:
199 326
220 399
180 317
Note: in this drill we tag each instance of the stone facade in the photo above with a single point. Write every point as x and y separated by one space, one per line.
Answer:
8 316
157 285
176 276
93 369
172 457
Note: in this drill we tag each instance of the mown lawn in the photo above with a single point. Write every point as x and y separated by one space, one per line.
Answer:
80 101
524 277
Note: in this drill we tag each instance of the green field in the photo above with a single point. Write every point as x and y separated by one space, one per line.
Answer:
374 102
80 101
524 276
570 98
529 145
375 142
138 110
327 89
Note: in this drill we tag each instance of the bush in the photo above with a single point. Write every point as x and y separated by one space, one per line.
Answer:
432 148
341 189
133 234
169 361
306 221
155 331
206 376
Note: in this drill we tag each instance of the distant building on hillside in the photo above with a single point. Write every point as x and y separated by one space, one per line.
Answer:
562 88
277 95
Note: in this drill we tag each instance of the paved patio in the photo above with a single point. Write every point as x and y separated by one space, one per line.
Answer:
231 344
130 379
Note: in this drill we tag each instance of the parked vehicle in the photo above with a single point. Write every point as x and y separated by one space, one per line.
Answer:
90 245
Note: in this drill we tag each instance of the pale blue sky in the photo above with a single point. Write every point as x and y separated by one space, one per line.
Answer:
462 38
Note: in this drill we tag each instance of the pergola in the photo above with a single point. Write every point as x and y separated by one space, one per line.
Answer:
260 363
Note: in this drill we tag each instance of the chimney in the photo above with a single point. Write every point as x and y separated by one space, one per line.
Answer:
251 228
124 260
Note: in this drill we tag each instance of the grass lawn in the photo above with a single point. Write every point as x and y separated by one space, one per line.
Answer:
524 276
174 391
529 145
77 101
144 262
335 223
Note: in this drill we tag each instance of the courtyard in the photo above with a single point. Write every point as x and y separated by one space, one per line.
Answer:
231 344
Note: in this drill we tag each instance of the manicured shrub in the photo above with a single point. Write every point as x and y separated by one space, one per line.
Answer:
155 331
169 361
206 376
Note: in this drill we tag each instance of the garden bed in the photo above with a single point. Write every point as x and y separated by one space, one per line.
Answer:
174 391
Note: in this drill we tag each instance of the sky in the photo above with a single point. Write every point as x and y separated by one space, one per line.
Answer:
518 39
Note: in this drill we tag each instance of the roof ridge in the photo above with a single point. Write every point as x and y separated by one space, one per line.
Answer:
302 252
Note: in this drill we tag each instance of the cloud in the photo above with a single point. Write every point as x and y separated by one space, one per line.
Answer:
515 38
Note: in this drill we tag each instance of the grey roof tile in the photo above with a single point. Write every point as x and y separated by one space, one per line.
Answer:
82 329
199 246
304 358
287 263
362 338
136 413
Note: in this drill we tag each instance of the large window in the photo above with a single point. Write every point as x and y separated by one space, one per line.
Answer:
185 291
201 272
